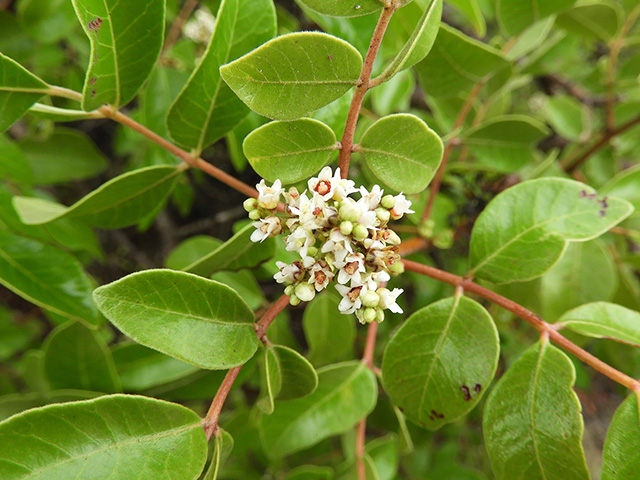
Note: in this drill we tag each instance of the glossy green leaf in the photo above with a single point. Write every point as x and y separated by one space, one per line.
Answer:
441 360
193 319
292 75
65 156
330 335
191 250
346 393
343 8
505 143
243 282
472 11
47 277
585 273
599 20
394 95
222 447
14 164
524 230
19 89
419 44
122 201
207 109
622 446
568 117
78 358
626 185
604 320
288 375
456 63
111 437
19 402
515 17
532 423
402 152
126 38
289 151
384 454
140 368
236 253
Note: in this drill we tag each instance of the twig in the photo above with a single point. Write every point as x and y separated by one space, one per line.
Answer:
531 318
210 422
571 165
462 116
269 316
367 359
361 88
174 33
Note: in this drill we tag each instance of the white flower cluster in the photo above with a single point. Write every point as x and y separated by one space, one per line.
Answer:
201 27
338 238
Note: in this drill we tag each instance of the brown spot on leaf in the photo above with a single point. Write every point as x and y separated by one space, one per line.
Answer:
94 25
477 388
436 414
467 393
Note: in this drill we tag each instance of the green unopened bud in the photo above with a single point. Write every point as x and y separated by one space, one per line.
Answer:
379 315
312 251
383 214
294 301
393 238
305 292
346 228
360 232
250 204
254 215
289 290
370 299
444 240
396 269
369 315
349 211
425 229
388 201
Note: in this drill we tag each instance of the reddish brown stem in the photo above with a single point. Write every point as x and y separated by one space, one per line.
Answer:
174 33
269 316
210 422
437 180
367 359
571 165
531 318
361 89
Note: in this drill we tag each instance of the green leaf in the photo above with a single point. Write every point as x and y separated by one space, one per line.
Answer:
126 38
65 156
295 74
207 109
384 454
505 143
524 231
585 273
604 320
47 20
346 393
243 282
599 20
568 117
122 201
191 250
330 335
532 423
19 89
110 437
626 185
402 152
288 375
394 95
456 63
515 17
78 358
141 368
342 8
193 319
19 402
419 44
223 445
47 277
310 472
440 362
622 446
236 253
472 11
14 164
289 151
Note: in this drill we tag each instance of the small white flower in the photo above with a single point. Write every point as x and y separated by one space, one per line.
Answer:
300 240
200 29
320 275
344 187
325 184
305 292
269 227
268 197
388 299
289 273
338 244
351 269
401 207
373 197
350 298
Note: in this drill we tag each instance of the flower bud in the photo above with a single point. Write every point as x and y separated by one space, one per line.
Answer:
396 269
312 251
294 301
370 299
369 315
349 211
305 292
383 214
254 215
388 201
379 315
360 232
250 204
346 228
444 240
425 229
393 238
289 290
